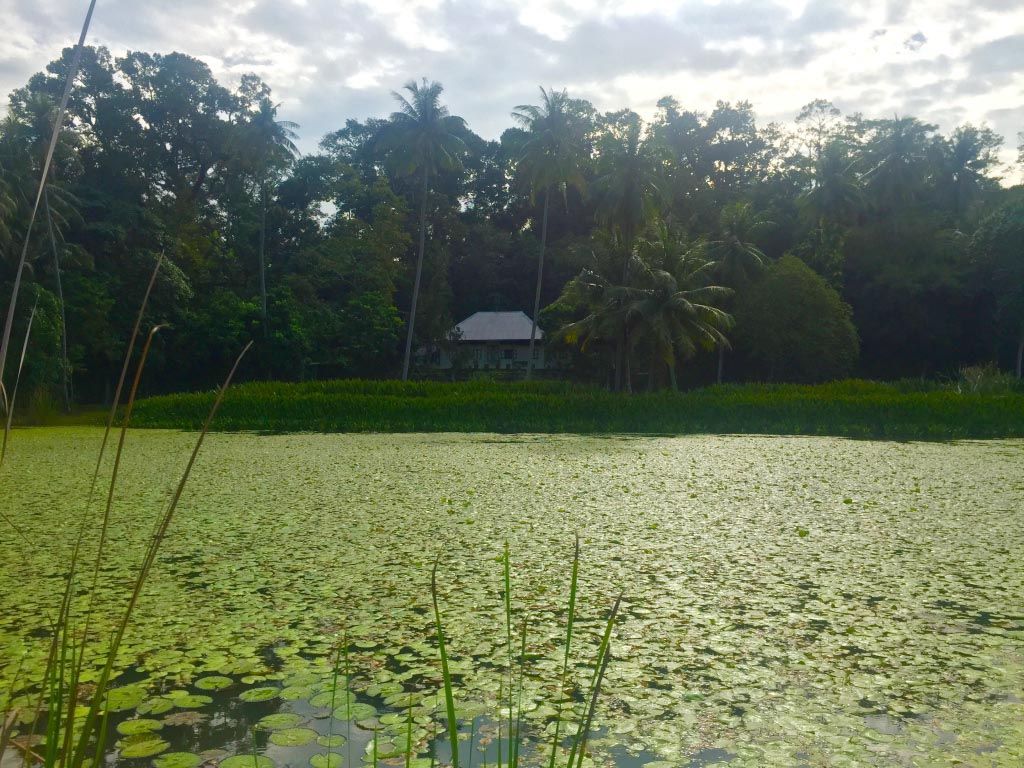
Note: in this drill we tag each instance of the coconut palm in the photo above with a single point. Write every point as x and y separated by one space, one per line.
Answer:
734 253
626 192
421 139
898 162
965 158
673 307
271 147
550 159
834 199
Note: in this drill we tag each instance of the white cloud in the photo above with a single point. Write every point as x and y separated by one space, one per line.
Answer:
944 61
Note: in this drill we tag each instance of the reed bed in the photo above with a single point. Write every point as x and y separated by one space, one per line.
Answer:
856 409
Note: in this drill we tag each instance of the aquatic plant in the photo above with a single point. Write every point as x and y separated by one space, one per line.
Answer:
856 409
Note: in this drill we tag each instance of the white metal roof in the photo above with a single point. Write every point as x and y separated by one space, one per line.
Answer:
497 326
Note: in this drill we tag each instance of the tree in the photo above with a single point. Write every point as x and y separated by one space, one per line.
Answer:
735 254
792 325
269 147
673 306
422 139
966 156
832 202
998 247
550 159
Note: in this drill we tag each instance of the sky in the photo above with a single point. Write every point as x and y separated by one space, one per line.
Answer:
946 62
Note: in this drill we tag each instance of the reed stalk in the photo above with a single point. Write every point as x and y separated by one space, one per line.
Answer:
449 697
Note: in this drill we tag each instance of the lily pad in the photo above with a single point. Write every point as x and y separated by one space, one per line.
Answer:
293 737
326 760
279 721
294 692
193 701
155 706
141 725
124 698
177 760
146 746
333 740
247 761
213 683
357 711
337 698
259 694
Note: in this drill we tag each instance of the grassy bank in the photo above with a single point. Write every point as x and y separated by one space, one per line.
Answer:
852 409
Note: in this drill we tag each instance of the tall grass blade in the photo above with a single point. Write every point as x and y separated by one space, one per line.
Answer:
68 384
17 381
508 645
515 739
78 757
449 697
568 642
579 747
57 125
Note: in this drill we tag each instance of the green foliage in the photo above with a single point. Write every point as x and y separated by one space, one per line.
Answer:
793 326
851 408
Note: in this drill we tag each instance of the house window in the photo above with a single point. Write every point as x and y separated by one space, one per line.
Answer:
508 354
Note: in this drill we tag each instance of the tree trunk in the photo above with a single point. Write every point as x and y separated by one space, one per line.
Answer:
416 282
263 262
540 277
618 363
672 377
65 365
652 369
721 362
628 373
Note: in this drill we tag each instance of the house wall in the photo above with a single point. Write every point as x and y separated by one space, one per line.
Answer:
491 356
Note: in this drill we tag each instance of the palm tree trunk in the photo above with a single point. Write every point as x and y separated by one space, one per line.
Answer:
1020 354
628 379
651 371
416 283
263 261
721 362
540 277
618 362
65 365
672 377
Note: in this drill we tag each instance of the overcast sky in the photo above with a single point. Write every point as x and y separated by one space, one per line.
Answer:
944 61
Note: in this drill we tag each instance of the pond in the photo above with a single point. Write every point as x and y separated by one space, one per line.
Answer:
786 601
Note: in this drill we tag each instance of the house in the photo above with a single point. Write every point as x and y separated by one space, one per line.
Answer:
492 341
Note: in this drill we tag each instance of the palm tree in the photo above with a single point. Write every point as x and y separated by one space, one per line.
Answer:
834 199
674 307
735 254
666 304
626 192
549 159
421 140
272 147
898 157
966 155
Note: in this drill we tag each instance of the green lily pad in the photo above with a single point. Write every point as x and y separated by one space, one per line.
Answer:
357 711
192 702
334 740
213 683
293 737
294 692
124 698
247 761
142 725
146 746
337 698
259 694
157 706
177 760
278 721
326 760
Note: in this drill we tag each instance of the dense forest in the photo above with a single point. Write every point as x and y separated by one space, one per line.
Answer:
693 247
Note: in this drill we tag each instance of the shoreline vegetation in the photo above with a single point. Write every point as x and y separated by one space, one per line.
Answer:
909 410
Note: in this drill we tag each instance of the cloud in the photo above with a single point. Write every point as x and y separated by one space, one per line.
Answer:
328 60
